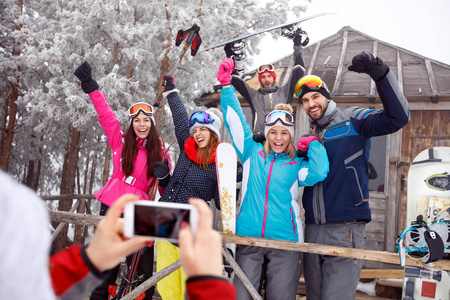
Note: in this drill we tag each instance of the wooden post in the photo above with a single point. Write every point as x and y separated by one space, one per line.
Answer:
152 280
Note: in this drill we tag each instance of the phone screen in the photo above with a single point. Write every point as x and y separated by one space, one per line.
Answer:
159 221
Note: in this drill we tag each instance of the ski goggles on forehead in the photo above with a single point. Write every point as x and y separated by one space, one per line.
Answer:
200 117
282 115
138 107
264 68
311 81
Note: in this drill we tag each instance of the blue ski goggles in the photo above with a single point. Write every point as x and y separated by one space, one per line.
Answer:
282 115
200 117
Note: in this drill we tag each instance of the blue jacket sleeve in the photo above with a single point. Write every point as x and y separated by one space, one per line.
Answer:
316 167
236 123
393 116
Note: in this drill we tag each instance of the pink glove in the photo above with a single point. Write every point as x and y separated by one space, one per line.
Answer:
225 69
303 142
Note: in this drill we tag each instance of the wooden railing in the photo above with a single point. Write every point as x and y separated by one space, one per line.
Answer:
378 256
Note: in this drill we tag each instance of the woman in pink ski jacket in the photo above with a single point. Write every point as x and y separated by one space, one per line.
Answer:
137 161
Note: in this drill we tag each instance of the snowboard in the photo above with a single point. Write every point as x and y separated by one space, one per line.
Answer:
266 30
421 283
428 207
428 185
226 166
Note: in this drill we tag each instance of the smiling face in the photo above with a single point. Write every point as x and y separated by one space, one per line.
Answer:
279 139
315 104
267 80
201 136
142 125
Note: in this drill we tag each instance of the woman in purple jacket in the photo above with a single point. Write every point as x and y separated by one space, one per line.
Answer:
137 161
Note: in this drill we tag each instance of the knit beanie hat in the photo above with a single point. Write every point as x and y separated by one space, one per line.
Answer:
215 126
278 123
274 75
283 107
305 88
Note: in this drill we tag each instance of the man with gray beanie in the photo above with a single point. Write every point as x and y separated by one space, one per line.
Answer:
337 209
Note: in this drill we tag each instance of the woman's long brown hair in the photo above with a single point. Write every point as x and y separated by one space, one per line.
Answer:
204 154
130 150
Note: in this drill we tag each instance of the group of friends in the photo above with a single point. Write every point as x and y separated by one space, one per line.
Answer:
331 161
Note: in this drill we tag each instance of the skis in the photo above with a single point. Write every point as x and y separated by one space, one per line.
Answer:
226 165
129 280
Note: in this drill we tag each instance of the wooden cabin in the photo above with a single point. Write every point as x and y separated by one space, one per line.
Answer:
426 85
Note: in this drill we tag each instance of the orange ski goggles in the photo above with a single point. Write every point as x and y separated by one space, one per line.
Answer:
136 108
309 82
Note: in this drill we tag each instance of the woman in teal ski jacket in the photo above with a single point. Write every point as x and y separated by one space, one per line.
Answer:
272 175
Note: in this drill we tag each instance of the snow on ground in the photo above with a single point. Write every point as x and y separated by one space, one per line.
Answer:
368 288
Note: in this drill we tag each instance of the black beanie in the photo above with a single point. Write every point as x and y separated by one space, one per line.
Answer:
307 89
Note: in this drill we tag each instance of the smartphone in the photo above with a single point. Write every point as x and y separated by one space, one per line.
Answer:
158 220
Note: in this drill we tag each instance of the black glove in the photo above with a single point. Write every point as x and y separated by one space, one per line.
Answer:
259 137
161 172
168 82
83 73
366 63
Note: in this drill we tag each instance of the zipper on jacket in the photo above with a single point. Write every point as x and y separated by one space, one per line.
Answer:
316 199
241 208
267 196
293 219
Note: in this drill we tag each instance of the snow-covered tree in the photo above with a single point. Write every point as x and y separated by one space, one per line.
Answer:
130 44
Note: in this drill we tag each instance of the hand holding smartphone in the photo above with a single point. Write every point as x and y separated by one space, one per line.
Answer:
158 220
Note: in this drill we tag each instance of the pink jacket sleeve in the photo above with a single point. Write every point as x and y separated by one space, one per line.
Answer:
107 119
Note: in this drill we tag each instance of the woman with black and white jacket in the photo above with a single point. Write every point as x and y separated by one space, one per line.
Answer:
194 175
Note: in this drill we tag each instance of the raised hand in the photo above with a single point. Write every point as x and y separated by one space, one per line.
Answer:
303 142
83 73
366 63
226 67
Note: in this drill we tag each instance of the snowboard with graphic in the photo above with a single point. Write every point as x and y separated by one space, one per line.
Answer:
428 207
226 165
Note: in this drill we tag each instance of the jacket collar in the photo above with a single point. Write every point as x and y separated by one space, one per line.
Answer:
141 142
268 90
330 113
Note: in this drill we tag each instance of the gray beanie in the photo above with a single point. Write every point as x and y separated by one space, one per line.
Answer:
215 126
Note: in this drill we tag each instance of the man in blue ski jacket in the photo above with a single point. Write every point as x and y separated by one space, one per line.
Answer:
337 209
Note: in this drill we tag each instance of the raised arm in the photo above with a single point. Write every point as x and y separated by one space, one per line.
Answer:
298 71
316 167
395 112
179 113
106 117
